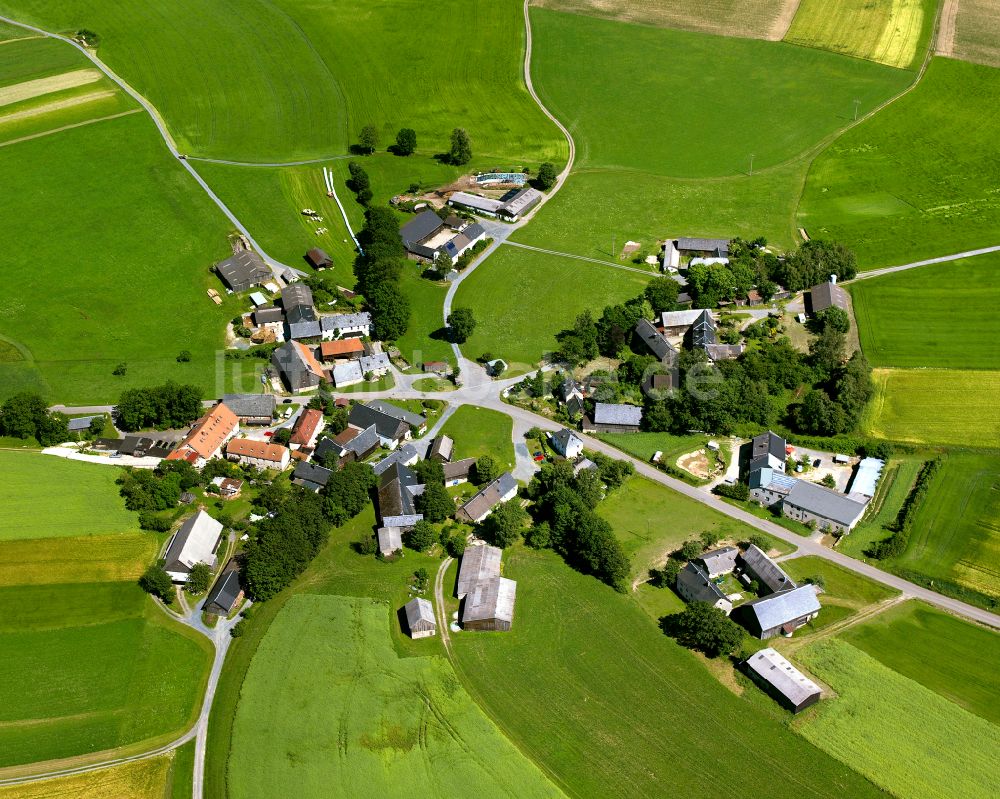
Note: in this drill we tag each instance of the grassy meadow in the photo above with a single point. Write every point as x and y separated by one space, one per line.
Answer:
88 501
480 431
893 32
894 486
935 406
424 339
520 301
910 182
844 592
142 779
120 557
882 723
328 701
904 319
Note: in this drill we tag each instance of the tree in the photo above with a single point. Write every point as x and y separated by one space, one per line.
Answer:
827 351
359 181
120 370
829 481
504 525
282 436
709 539
157 582
836 318
578 344
461 147
702 627
589 486
819 415
368 139
690 550
96 425
461 323
421 537
198 579
390 310
169 405
547 176
367 545
184 356
435 503
662 293
538 536
406 141
487 470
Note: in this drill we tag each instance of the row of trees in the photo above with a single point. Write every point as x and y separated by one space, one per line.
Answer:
26 415
378 270
459 153
895 544
169 405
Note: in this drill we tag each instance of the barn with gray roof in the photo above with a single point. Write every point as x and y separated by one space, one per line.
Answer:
778 613
782 680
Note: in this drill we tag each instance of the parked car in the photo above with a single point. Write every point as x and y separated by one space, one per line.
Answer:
816 462
539 456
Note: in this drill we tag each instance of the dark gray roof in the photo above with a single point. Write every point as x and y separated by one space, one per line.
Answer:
388 427
695 244
248 405
605 413
80 423
404 454
263 316
242 268
412 419
720 561
422 226
768 444
304 329
457 469
522 201
490 599
703 330
562 438
490 496
694 583
655 341
779 609
364 441
478 563
396 490
342 321
225 592
821 501
297 300
766 570
311 475
827 295
193 543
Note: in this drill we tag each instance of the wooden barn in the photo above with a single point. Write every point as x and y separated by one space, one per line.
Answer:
420 618
489 605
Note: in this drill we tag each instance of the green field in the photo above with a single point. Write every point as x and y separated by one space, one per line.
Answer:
89 559
935 406
844 592
882 723
941 652
480 431
286 80
520 301
88 501
909 183
424 339
644 445
372 723
611 707
942 315
893 32
894 486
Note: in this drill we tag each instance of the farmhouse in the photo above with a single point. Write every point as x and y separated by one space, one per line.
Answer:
318 258
706 248
782 680
347 373
478 563
334 326
376 364
756 565
489 605
420 618
311 476
390 539
397 488
350 349
808 502
226 593
350 445
393 424
207 437
427 237
261 454
567 443
442 449
251 408
297 366
779 613
406 455
297 302
307 427
503 489
864 482
768 451
194 542
769 487
243 271
694 585
457 472
656 342
610 418
719 561
827 295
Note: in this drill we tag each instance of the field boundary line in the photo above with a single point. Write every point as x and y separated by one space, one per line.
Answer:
275 164
70 127
941 259
648 273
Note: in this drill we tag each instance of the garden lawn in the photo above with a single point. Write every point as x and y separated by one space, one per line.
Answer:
910 183
644 445
142 779
327 701
425 338
881 723
122 274
612 83
88 501
480 431
941 652
521 300
609 706
935 406
893 32
935 316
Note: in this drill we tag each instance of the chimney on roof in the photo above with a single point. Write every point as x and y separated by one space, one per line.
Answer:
833 279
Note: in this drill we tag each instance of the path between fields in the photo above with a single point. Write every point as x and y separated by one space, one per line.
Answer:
939 260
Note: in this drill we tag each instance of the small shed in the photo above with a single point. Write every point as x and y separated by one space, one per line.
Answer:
782 680
318 258
390 539
420 618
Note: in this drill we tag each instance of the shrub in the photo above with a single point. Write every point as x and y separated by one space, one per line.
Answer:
704 628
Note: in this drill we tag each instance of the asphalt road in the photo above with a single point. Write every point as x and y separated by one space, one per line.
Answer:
939 260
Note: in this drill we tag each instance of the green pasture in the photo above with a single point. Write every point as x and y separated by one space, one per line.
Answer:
609 706
520 301
935 406
424 339
480 431
893 32
691 105
91 558
844 592
87 504
942 315
10 32
910 183
941 652
181 772
327 701
30 59
120 251
882 723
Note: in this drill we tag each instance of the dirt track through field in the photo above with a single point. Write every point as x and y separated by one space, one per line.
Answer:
58 105
783 21
69 127
56 83
946 31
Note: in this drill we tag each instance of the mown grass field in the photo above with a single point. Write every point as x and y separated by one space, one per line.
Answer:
611 707
904 320
892 32
935 406
520 301
88 501
689 105
90 559
844 592
977 32
143 779
909 183
644 445
286 80
372 721
424 339
881 723
941 652
480 431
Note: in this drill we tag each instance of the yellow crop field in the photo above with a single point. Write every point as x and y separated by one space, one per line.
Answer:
143 779
87 559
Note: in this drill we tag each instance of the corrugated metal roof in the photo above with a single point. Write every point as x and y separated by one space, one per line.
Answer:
478 563
866 477
766 570
821 501
779 609
605 413
783 676
490 599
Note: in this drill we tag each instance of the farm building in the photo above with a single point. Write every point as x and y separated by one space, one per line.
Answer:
397 487
694 585
656 342
350 349
406 455
269 315
478 563
347 373
251 408
226 593
830 510
457 472
442 449
390 539
297 302
297 366
495 178
207 437
304 329
484 206
768 450
610 418
318 258
827 295
437 367
703 331
719 561
769 487
194 542
864 482
782 680
489 605
677 323
428 237
343 325
781 613
519 204
243 271
261 454
756 565
350 445
503 489
307 427
510 207
706 248
567 443
81 423
671 256
311 476
420 618
137 446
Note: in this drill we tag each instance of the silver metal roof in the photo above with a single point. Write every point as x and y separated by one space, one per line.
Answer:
605 413
823 502
783 676
490 599
478 563
779 609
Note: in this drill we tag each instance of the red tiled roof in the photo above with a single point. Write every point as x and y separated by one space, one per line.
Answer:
310 360
305 426
344 346
256 449
207 434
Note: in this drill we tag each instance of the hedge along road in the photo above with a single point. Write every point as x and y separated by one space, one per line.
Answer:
276 266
